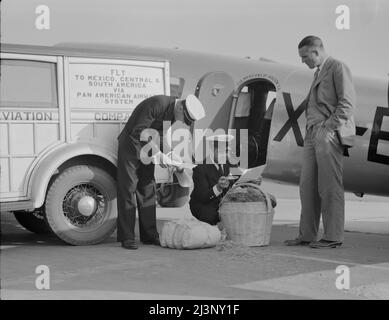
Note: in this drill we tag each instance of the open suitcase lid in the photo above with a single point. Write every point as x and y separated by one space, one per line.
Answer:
248 174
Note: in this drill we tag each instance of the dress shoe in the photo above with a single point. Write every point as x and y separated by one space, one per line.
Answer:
155 242
324 244
129 244
296 242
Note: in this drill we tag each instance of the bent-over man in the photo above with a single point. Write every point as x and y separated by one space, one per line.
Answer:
136 177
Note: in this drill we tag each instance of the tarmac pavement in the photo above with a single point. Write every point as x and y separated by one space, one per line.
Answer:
228 271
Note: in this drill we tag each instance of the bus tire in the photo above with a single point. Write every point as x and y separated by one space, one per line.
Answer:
33 221
81 205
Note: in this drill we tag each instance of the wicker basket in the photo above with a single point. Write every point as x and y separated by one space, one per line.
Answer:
248 223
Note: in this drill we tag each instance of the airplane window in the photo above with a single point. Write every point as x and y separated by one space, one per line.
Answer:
243 105
271 95
245 89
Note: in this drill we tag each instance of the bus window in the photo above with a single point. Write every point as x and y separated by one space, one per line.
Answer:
176 86
30 84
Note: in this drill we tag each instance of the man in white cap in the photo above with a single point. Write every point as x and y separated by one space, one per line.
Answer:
210 180
136 177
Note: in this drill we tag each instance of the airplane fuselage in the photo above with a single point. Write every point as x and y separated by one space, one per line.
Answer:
222 83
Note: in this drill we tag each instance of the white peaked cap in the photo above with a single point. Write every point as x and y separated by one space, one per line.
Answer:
194 107
220 137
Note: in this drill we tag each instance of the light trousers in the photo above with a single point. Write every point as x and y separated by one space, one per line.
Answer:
321 185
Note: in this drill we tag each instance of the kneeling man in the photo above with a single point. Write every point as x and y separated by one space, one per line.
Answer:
210 181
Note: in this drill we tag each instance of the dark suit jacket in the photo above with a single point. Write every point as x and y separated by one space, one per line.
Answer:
334 94
150 113
204 204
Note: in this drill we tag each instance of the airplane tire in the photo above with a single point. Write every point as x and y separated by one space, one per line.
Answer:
81 205
33 221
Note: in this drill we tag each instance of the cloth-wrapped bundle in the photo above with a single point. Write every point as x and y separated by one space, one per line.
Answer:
189 233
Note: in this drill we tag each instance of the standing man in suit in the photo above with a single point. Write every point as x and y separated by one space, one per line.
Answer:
134 176
329 111
210 181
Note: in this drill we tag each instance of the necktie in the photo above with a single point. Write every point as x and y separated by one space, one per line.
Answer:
310 90
221 171
316 74
314 79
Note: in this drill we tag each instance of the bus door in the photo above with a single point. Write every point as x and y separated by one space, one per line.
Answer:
31 113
